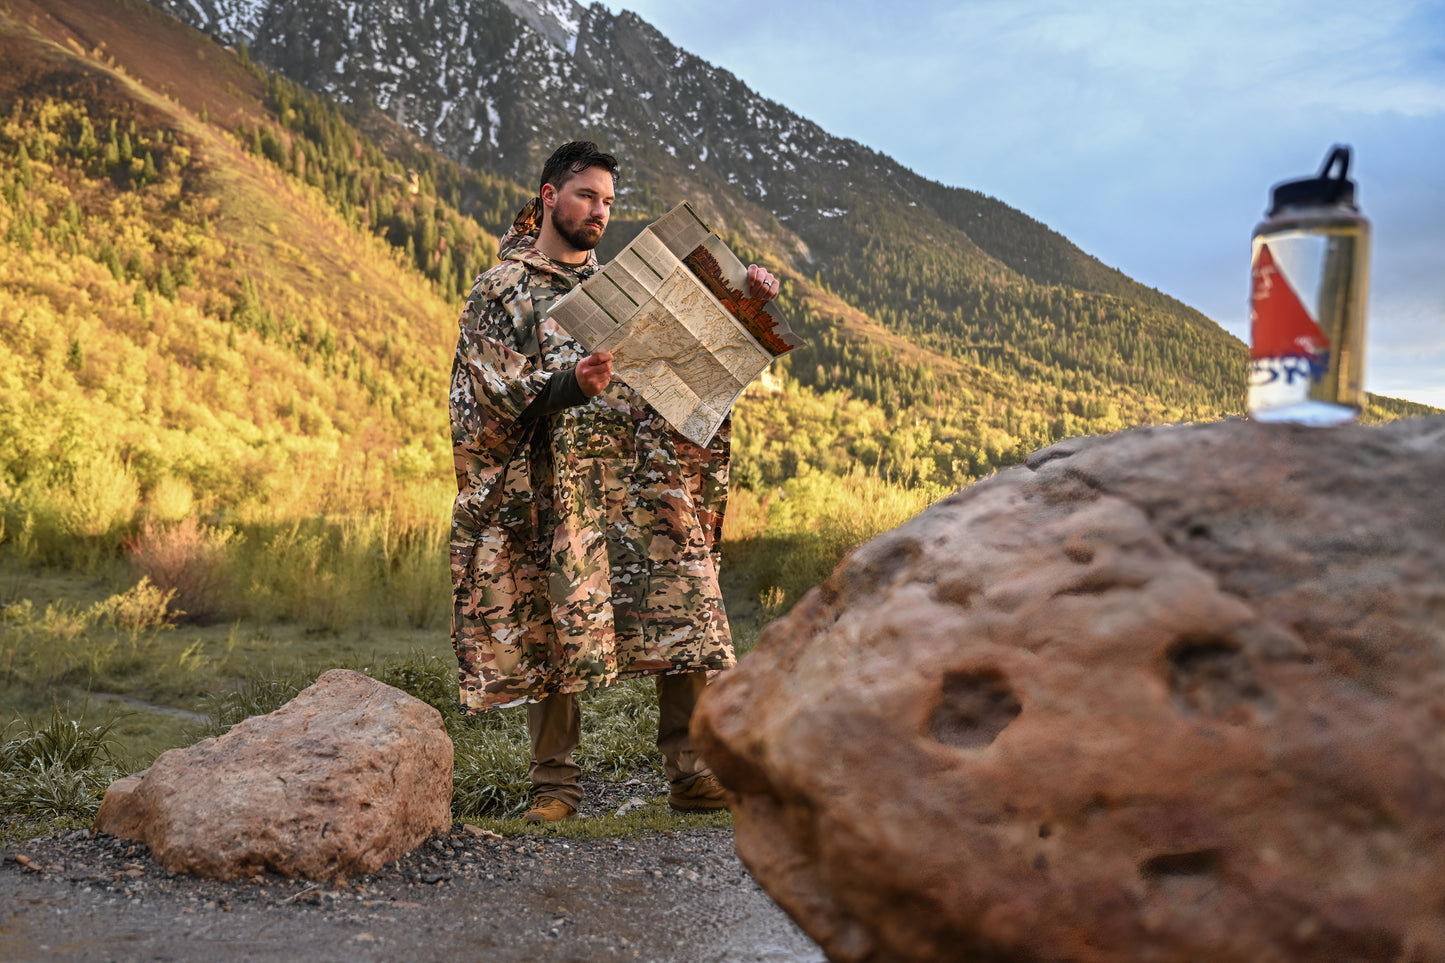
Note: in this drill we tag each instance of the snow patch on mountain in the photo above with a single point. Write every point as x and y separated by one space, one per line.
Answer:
557 20
235 21
493 83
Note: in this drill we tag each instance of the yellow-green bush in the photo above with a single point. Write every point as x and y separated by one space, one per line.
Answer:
99 499
809 523
97 646
170 500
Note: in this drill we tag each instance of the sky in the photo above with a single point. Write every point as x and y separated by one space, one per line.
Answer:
1148 133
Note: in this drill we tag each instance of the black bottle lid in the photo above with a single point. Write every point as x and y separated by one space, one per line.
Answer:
1324 190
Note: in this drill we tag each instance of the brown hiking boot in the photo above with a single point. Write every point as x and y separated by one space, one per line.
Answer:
705 793
545 809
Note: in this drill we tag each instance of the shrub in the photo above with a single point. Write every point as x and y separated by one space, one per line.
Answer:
76 513
418 571
100 498
189 561
414 532
170 501
814 522
143 607
746 516
321 575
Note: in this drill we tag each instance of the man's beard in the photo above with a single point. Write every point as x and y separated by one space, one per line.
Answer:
577 234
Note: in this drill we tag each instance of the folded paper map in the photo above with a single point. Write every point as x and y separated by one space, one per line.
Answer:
673 308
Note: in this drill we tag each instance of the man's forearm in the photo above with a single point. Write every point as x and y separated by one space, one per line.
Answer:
562 391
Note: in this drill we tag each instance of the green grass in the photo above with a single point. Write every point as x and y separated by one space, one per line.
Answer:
65 635
65 657
619 724
98 652
102 737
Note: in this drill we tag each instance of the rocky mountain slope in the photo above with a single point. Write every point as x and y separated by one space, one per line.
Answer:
493 83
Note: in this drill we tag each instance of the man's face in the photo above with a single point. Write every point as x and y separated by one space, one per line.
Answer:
581 207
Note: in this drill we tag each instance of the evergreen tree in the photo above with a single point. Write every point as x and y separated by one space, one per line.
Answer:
246 306
111 259
22 167
166 282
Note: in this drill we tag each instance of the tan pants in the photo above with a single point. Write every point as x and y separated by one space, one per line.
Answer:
555 725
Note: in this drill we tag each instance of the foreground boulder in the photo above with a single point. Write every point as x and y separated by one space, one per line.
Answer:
346 777
1173 694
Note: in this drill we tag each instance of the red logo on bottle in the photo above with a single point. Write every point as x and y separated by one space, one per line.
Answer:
1280 327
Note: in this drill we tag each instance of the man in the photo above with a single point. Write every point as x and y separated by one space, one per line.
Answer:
585 534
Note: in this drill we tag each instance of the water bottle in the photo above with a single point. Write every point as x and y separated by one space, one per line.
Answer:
1307 306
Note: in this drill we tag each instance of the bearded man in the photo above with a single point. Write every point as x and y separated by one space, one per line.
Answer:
586 531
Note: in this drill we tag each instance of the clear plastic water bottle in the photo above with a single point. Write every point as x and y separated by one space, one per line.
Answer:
1307 305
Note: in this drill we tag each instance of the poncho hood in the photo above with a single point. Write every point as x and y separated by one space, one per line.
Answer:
520 244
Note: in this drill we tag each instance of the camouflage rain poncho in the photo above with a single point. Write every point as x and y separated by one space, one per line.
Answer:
584 543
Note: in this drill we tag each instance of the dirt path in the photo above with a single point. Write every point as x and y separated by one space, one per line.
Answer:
130 702
680 896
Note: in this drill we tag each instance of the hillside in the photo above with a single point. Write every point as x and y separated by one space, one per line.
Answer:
178 308
494 83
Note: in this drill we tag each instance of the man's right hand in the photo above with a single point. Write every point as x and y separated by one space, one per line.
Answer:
594 372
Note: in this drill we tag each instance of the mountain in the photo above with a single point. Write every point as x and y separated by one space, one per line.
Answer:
494 84
244 279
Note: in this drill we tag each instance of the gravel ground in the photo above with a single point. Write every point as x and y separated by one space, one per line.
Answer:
463 895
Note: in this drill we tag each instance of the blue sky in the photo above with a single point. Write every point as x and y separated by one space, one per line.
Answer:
1147 133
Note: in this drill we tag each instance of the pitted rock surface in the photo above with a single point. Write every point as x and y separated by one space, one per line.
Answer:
1172 694
346 777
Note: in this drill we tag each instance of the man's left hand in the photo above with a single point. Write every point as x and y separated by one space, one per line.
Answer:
761 284
594 372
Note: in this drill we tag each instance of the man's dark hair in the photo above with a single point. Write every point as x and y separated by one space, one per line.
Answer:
574 158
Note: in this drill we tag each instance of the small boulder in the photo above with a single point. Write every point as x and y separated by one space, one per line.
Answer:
1172 694
344 778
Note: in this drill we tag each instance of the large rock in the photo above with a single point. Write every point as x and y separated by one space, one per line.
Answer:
1173 694
346 777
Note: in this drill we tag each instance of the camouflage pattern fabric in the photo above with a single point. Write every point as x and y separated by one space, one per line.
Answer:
585 544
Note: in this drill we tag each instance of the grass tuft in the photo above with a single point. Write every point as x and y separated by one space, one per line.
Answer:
619 727
490 770
54 773
254 696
